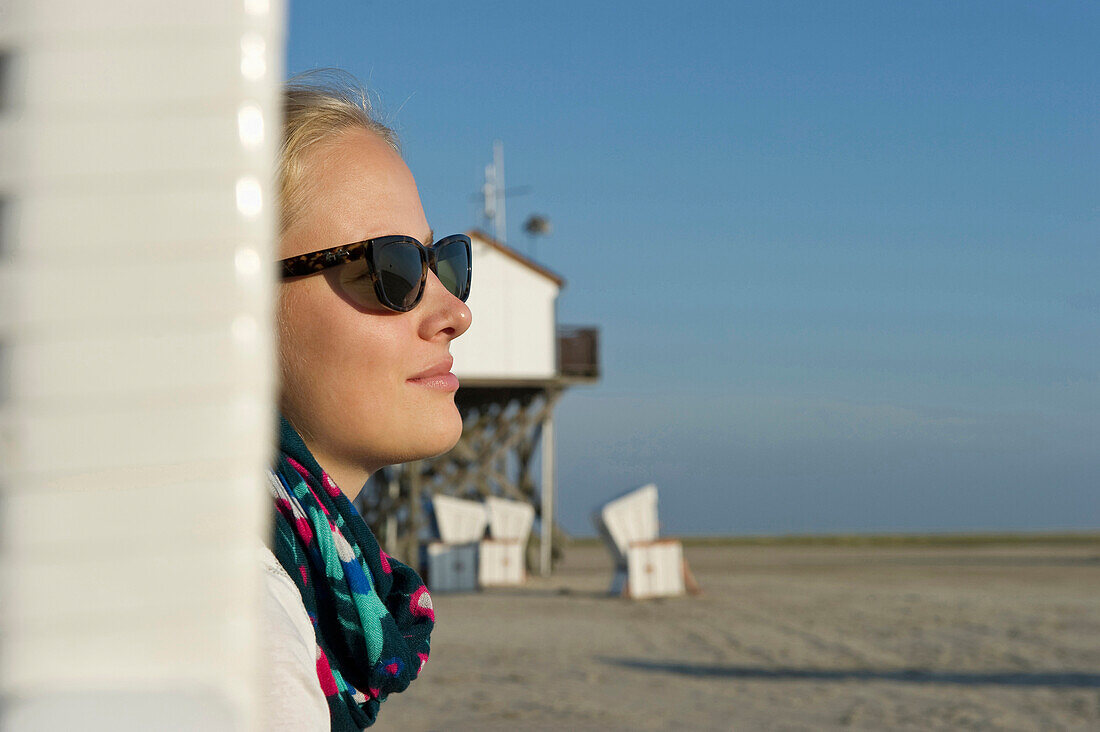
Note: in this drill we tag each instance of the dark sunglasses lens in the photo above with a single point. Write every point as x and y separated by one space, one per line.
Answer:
399 266
453 268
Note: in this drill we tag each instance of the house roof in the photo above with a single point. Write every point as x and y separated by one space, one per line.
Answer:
515 255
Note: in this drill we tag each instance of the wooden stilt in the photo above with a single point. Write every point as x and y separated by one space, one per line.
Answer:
547 496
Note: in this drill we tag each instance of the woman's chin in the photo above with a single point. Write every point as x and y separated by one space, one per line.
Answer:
442 441
429 443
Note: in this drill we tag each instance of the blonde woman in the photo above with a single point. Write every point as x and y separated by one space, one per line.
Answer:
369 303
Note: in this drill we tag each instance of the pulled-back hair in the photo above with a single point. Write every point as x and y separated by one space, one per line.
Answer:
318 106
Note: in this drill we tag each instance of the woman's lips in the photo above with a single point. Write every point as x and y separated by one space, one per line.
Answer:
438 377
440 382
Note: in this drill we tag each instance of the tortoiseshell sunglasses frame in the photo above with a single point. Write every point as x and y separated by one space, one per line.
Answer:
313 262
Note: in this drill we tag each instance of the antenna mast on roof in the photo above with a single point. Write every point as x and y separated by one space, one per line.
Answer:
493 193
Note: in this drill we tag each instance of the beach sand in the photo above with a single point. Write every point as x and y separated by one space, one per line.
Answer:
784 638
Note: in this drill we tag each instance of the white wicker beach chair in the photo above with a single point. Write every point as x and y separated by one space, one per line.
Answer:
452 561
645 566
501 561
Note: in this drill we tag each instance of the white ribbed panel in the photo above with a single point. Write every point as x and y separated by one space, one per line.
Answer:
137 147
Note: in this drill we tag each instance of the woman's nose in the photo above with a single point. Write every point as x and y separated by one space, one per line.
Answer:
445 316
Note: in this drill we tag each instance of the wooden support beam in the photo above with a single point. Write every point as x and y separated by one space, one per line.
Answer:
547 518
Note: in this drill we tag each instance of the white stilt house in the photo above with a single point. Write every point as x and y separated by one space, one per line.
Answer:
513 336
514 363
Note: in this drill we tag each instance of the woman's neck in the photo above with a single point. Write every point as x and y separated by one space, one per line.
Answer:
348 476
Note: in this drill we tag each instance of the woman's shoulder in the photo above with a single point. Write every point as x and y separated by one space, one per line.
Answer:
292 696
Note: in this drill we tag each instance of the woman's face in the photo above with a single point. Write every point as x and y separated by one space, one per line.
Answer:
349 370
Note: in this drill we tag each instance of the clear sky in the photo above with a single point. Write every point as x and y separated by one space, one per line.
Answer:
845 257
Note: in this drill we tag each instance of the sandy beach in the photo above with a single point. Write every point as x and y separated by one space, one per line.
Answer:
784 638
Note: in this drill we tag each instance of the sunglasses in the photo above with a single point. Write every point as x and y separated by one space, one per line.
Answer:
393 269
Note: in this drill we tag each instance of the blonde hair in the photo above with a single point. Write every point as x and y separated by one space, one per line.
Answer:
317 107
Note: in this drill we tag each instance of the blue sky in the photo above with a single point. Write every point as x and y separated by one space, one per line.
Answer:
844 256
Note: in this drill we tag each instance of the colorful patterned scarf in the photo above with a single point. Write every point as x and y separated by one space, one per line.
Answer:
372 614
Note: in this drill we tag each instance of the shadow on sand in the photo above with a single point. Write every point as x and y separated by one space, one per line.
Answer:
1067 679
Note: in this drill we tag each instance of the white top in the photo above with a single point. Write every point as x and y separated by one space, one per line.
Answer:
292 698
